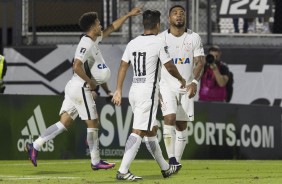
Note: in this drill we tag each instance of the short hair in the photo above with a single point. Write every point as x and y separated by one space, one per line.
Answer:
151 18
87 20
214 48
176 6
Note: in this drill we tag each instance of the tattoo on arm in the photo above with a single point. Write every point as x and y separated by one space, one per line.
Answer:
199 63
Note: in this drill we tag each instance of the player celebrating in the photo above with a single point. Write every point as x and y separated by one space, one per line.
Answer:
177 106
145 54
78 98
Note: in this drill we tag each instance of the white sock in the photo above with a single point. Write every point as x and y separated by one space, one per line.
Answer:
169 140
131 148
93 143
50 133
180 143
154 148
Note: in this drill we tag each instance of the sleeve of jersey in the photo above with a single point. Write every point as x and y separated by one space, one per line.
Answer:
126 54
83 47
163 53
198 50
99 38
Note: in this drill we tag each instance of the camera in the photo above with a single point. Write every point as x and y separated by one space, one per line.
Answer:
210 59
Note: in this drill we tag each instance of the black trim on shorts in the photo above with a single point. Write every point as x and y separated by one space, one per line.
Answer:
86 105
153 94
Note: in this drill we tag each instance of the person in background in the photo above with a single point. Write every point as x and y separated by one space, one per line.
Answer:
3 70
147 53
88 73
215 77
236 25
186 49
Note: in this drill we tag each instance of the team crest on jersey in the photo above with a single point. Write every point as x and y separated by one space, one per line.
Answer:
188 46
179 61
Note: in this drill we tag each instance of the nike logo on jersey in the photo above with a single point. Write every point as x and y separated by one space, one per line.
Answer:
181 60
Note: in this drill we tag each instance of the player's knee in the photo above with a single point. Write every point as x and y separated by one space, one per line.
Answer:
181 126
170 119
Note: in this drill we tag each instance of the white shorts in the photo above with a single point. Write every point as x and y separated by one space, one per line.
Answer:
79 101
176 103
144 109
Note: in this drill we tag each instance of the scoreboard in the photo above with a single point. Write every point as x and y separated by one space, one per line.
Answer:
244 8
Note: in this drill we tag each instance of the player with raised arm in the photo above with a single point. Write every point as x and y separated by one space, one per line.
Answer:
147 53
177 106
78 98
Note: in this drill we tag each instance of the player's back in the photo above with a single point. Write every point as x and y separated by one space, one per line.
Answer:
144 55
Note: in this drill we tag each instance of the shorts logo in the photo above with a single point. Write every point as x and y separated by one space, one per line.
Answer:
35 126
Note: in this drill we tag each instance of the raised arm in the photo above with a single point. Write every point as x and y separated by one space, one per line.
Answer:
121 76
117 23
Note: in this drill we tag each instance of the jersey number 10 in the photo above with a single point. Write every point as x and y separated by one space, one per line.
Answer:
139 64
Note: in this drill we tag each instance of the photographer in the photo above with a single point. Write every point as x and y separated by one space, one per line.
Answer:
215 77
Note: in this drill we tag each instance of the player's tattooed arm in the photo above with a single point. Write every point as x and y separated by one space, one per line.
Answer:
199 63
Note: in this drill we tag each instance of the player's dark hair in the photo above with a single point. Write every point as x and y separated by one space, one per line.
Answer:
176 6
151 18
87 20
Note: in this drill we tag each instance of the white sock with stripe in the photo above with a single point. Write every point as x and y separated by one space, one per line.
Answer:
50 133
131 148
180 143
93 143
154 148
169 139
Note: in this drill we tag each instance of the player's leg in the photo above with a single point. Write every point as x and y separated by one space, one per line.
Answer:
88 112
168 102
131 149
181 139
154 148
135 138
52 131
184 114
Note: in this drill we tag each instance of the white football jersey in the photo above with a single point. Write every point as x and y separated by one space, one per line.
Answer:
182 49
95 67
146 53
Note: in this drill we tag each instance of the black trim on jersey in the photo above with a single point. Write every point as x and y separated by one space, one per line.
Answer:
148 34
83 34
85 102
87 69
153 94
168 31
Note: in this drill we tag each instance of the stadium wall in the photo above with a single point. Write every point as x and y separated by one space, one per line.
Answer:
220 130
46 70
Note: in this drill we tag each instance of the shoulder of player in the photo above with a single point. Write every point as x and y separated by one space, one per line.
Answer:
86 41
192 33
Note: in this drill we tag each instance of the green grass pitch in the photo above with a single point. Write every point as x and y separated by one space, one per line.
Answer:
193 171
